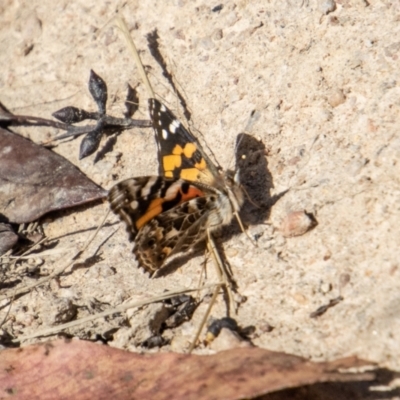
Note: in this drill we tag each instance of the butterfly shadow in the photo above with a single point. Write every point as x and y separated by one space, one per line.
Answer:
257 183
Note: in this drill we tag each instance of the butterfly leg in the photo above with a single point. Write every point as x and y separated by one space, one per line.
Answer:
221 270
224 282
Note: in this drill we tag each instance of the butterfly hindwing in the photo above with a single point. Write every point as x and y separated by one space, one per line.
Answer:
172 232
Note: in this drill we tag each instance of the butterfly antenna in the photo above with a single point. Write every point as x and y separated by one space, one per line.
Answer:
121 24
236 149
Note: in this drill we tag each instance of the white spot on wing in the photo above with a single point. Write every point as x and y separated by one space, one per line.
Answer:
147 188
172 190
172 233
174 125
134 204
163 108
164 134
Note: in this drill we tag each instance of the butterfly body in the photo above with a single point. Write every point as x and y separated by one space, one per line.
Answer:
168 214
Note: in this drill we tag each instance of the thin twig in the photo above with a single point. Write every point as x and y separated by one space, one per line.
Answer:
109 122
124 29
205 317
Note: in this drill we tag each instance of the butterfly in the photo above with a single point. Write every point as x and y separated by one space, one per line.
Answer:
170 213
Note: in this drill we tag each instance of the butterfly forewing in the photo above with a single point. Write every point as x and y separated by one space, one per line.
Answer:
180 154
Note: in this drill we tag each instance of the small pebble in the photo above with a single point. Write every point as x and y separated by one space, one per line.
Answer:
231 252
35 262
217 35
31 28
228 339
336 97
266 327
296 223
300 298
325 287
327 6
344 279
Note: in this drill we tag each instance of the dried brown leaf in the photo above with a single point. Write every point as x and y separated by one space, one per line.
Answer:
82 370
35 181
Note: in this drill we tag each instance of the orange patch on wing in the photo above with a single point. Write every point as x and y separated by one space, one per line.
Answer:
167 251
177 150
189 149
201 165
191 194
155 208
189 174
171 162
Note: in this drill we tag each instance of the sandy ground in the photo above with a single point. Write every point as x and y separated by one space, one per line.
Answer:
323 91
